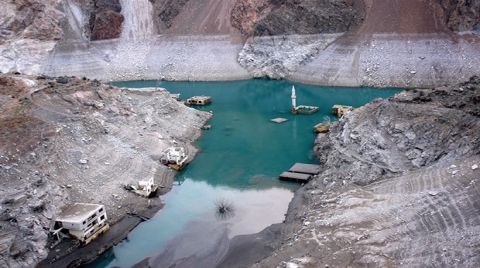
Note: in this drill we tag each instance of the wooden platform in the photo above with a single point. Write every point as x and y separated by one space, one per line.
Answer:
292 176
305 169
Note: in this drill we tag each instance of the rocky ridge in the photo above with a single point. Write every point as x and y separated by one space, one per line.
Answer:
68 140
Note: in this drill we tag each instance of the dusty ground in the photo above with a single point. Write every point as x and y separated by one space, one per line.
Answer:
72 140
399 188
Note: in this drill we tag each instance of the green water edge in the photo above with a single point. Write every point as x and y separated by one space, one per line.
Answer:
239 162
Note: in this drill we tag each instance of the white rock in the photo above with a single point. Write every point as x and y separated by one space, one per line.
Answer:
474 167
432 193
83 161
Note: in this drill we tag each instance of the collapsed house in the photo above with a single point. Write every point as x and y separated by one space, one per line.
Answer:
174 157
145 188
82 221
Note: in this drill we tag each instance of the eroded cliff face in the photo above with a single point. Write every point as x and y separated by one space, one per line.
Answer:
30 19
106 20
462 15
247 13
284 17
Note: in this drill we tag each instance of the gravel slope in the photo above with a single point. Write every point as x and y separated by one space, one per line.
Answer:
71 140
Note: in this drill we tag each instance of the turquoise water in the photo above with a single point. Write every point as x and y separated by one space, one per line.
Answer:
239 161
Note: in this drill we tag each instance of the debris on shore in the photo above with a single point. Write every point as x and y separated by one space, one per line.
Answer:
341 110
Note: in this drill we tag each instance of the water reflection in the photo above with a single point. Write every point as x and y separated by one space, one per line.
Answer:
188 224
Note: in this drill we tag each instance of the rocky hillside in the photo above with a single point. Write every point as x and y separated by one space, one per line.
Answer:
283 17
30 19
105 20
462 15
399 186
70 140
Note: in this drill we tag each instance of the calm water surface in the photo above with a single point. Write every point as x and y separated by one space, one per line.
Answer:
240 159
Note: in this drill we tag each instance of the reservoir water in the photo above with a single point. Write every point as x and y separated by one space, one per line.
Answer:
238 164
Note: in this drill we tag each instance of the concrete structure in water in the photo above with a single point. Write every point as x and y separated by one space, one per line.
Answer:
174 157
300 172
199 100
82 221
301 109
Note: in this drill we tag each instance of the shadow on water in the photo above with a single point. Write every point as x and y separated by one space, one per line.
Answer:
240 159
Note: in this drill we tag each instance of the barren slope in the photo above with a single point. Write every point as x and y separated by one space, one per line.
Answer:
74 140
203 17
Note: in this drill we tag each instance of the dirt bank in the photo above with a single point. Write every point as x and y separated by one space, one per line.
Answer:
71 140
398 187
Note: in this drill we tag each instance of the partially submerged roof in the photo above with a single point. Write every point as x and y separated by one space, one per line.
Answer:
199 98
77 212
305 168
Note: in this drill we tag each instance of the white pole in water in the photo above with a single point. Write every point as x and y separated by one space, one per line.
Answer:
294 99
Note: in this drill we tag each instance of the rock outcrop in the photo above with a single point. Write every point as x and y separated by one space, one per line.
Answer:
106 20
310 17
247 13
30 19
276 57
462 15
284 17
165 11
398 186
68 140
